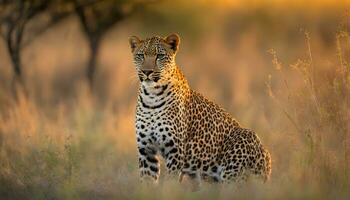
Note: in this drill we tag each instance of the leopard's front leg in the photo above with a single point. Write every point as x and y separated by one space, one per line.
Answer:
148 162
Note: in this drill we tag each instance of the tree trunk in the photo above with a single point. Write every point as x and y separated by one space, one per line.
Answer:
17 81
13 46
16 62
94 43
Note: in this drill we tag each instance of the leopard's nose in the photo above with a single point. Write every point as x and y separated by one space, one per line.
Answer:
147 72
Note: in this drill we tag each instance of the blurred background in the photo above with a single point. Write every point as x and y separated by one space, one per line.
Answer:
68 92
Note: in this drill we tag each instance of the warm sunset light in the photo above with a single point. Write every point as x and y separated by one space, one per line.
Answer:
160 99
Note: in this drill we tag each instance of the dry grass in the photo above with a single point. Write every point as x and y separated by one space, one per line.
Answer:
60 142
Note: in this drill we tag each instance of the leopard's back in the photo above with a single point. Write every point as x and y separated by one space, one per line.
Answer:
219 147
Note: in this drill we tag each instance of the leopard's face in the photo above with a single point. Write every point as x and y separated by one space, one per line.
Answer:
154 57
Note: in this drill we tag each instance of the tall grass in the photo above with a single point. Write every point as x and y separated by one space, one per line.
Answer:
319 110
59 155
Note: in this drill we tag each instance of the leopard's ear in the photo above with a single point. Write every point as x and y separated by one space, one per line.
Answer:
173 40
134 41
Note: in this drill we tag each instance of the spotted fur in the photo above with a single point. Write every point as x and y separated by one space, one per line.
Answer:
195 136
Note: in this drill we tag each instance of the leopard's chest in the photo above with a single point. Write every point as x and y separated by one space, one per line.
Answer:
160 128
152 125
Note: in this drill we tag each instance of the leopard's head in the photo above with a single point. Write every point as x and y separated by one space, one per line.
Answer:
154 57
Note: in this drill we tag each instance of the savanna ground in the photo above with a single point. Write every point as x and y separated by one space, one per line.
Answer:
280 69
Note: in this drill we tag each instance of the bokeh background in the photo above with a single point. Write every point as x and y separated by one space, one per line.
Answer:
68 92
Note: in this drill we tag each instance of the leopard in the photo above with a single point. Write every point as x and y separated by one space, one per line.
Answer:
196 138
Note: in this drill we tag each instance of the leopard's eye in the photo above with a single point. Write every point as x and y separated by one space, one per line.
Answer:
140 55
160 56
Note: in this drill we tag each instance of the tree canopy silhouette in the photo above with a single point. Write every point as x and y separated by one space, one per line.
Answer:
96 18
